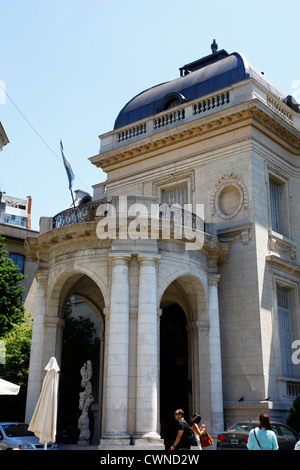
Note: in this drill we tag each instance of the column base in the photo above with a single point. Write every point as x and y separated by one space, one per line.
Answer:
114 443
148 441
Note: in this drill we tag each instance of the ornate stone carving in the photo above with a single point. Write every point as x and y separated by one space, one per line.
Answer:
85 400
281 245
229 197
234 233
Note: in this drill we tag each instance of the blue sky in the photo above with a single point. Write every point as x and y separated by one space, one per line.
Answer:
69 66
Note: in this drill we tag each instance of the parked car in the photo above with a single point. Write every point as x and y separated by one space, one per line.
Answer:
14 435
236 436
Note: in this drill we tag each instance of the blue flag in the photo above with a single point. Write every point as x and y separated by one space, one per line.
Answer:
67 167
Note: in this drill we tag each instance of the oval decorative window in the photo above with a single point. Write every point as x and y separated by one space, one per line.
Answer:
229 197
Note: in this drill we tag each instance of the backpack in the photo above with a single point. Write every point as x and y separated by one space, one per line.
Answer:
191 436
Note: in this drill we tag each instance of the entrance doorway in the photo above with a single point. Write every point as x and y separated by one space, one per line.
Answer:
174 384
80 344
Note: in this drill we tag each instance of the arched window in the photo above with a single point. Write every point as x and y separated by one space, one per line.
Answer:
170 101
18 260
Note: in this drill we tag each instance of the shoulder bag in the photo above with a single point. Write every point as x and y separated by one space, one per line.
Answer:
205 439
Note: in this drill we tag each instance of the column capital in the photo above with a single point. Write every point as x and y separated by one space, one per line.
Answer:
54 321
147 258
119 258
202 324
213 279
41 275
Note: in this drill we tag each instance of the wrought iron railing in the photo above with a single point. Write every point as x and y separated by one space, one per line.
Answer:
77 215
181 217
87 213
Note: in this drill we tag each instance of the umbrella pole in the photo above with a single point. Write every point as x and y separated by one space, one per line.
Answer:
45 446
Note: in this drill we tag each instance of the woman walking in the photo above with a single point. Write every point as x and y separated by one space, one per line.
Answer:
194 423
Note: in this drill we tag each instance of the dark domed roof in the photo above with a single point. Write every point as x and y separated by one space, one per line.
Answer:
204 76
207 75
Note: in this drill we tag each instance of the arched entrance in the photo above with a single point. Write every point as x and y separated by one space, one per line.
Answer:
81 307
183 340
174 383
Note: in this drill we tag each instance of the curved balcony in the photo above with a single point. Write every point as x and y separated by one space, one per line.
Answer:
87 213
83 213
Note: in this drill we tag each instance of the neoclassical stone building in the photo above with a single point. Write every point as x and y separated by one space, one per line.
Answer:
188 255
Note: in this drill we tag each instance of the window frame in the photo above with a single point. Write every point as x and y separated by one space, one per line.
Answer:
279 178
21 268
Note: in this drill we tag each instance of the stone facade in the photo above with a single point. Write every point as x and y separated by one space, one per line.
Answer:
222 151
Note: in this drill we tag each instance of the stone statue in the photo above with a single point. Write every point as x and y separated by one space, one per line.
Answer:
85 400
214 47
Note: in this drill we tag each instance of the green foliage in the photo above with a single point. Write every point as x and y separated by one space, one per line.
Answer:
17 343
293 419
11 306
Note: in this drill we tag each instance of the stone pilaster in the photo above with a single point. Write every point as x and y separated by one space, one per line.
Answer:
216 394
36 367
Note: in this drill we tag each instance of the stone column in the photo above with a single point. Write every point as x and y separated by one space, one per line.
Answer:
36 367
216 393
116 428
147 352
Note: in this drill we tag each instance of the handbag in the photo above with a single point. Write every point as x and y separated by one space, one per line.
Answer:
206 440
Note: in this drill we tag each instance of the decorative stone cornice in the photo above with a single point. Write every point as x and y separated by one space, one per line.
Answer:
235 232
283 265
158 142
36 246
282 245
253 112
40 248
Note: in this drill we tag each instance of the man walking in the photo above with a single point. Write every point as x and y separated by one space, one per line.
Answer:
181 441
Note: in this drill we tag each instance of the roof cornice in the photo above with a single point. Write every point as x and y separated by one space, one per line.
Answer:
253 112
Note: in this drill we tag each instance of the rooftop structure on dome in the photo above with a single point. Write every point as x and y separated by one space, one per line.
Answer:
207 75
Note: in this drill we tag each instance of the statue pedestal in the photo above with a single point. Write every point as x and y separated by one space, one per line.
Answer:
83 443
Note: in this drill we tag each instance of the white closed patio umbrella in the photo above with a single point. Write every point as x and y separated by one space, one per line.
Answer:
43 421
8 388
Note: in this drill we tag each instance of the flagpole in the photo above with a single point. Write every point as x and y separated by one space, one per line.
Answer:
74 206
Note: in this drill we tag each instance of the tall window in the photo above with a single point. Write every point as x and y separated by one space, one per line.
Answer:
275 206
19 260
285 335
175 195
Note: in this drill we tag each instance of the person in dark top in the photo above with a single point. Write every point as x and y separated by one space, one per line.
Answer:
181 441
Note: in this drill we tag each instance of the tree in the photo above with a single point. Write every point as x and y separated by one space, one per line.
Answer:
11 306
293 419
17 343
